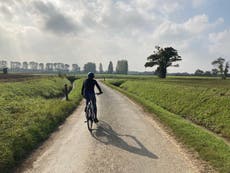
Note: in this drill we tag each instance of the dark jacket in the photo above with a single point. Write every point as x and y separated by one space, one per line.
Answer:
88 87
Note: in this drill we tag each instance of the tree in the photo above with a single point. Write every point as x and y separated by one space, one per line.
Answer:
5 70
15 66
58 67
214 72
49 67
100 68
221 67
199 72
163 58
110 68
33 66
66 67
41 67
75 68
3 66
90 67
207 73
122 67
226 69
25 65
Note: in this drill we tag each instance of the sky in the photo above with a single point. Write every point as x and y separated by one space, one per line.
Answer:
80 31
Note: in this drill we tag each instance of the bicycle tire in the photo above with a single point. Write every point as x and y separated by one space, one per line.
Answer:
90 118
90 125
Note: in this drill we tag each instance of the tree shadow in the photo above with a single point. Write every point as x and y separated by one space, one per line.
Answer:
106 135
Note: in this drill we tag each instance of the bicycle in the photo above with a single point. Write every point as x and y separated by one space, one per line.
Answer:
90 114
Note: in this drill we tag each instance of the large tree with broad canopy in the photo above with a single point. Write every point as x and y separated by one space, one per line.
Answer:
163 58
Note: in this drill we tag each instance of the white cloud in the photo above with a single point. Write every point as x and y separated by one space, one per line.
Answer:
197 24
220 43
101 30
198 3
190 38
190 29
171 7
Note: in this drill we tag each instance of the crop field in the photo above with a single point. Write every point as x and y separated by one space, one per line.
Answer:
202 101
29 111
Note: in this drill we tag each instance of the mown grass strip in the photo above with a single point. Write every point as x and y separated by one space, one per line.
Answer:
204 101
29 115
210 148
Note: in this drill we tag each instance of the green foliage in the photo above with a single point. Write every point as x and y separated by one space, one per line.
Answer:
90 67
180 95
30 111
110 67
100 68
222 69
122 67
5 70
163 58
46 88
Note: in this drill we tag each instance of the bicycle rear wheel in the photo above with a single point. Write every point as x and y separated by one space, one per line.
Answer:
90 120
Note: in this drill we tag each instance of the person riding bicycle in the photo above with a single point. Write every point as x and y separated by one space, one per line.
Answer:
88 92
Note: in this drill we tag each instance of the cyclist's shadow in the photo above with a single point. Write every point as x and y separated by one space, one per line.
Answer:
105 134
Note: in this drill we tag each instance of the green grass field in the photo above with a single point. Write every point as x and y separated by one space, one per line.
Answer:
205 101
30 110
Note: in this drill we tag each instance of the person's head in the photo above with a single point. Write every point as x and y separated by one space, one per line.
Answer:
90 75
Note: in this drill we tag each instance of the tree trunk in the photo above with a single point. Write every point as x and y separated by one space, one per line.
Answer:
162 72
5 70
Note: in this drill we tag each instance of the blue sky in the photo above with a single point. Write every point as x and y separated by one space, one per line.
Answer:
213 8
103 30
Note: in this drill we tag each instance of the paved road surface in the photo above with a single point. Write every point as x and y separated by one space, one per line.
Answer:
126 140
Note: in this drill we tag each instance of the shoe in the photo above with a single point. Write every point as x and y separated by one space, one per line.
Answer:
96 120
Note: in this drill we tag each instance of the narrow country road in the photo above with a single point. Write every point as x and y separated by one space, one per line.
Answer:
126 140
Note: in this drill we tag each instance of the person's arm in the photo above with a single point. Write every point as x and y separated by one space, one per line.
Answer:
82 89
98 87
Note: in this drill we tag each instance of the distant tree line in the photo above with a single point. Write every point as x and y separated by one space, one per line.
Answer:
121 67
35 67
221 68
16 66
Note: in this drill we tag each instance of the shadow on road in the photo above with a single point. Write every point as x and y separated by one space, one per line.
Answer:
105 134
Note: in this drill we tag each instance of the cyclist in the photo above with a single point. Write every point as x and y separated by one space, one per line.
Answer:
88 92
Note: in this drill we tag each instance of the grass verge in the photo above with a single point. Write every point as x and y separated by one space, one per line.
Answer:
29 112
203 101
210 148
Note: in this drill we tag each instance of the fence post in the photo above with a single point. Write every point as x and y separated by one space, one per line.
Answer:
66 92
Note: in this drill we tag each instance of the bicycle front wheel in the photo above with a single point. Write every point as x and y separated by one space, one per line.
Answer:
90 121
